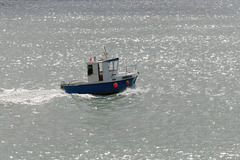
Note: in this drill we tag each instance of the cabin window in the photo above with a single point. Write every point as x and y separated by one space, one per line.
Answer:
110 66
100 71
113 66
100 67
90 70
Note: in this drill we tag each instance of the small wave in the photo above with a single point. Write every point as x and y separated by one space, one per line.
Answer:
133 91
29 97
84 96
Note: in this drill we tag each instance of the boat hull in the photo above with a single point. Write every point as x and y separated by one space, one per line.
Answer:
104 88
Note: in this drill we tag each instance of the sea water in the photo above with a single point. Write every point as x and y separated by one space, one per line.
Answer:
186 102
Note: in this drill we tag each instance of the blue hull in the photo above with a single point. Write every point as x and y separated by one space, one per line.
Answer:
104 88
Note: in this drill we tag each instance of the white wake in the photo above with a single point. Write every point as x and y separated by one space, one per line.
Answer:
42 96
29 97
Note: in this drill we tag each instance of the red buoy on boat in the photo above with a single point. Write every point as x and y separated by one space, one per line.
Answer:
127 82
115 85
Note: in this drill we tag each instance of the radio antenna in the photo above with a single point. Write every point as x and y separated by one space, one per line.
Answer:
105 52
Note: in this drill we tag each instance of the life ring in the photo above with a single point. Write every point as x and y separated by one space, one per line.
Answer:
115 85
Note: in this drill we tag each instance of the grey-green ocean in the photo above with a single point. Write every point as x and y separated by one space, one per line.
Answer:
186 102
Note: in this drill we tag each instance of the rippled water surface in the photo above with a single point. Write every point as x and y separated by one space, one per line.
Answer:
186 101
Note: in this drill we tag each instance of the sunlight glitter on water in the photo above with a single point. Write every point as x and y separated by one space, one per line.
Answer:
185 104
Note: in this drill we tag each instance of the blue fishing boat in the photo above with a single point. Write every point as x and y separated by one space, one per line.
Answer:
103 78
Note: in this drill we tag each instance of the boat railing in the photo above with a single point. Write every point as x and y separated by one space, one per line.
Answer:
131 68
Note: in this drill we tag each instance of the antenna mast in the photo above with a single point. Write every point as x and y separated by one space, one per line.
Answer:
105 52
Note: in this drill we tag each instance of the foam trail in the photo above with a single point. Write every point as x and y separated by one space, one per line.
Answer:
42 96
84 96
30 97
133 91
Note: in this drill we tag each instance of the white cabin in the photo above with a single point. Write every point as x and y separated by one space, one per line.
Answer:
102 70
